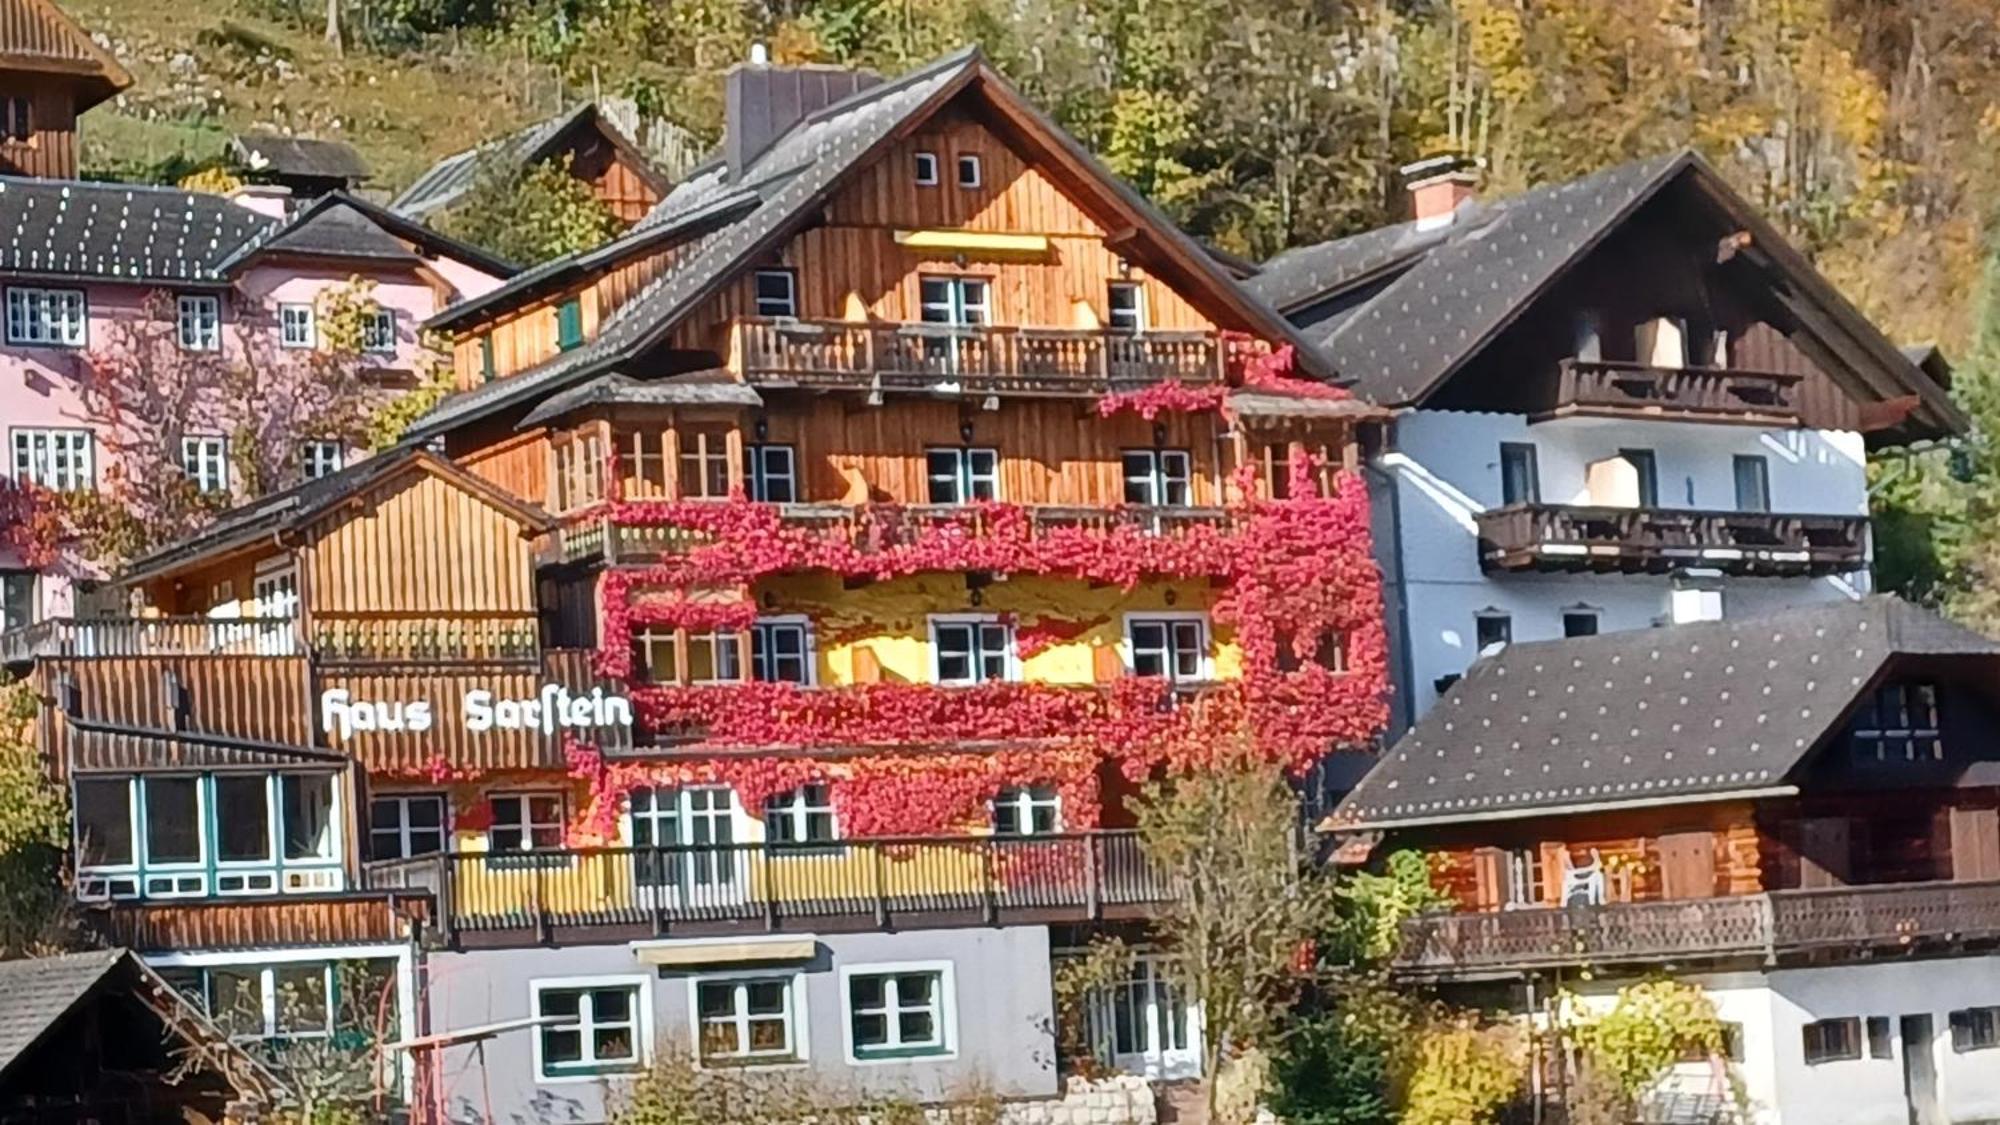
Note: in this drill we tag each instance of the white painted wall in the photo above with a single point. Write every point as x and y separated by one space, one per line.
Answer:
1445 469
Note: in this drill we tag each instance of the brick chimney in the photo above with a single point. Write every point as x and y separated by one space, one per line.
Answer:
1438 186
762 102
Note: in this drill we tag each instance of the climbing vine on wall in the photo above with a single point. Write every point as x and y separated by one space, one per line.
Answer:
1297 584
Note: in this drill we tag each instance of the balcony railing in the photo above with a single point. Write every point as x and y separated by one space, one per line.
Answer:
1654 540
500 897
1710 393
1771 925
375 639
975 359
877 527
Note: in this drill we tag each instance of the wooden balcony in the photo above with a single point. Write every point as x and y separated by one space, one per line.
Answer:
1563 537
879 527
1854 921
354 917
979 360
376 639
1609 388
523 898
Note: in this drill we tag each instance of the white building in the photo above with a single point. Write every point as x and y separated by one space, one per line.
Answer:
1621 402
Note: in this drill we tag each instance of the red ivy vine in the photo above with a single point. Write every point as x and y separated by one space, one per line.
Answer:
31 524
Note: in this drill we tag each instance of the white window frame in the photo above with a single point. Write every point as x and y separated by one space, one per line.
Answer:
1170 618
642 1018
198 319
1139 318
38 465
402 830
810 653
47 317
919 162
1012 670
320 458
945 1020
791 298
759 470
798 1024
528 823
1159 479
378 332
306 317
205 462
965 478
798 814
969 161
720 641
1024 802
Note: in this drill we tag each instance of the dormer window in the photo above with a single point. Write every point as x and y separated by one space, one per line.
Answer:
968 171
1899 723
926 169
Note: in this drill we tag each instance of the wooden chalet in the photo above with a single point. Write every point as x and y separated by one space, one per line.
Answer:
894 312
599 153
1809 787
51 71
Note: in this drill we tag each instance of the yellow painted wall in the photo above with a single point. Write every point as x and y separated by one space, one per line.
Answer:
892 619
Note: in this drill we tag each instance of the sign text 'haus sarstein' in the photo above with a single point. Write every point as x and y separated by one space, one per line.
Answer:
342 715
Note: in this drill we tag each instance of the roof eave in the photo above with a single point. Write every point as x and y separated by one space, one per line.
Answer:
1335 823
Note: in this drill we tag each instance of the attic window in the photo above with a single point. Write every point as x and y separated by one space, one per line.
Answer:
1898 724
927 169
968 171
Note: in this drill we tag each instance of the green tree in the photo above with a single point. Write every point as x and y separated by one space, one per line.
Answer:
36 916
532 214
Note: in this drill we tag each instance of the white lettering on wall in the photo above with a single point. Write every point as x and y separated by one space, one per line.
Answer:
553 709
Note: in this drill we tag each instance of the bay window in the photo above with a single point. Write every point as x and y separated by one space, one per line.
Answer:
195 835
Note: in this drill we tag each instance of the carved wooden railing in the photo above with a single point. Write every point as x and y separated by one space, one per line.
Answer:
151 636
415 639
1609 386
873 883
1634 540
883 526
1768 925
978 359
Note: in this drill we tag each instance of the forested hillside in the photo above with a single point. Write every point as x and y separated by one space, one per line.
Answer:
1867 127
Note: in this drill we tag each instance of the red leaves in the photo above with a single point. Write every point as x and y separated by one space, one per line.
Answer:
31 523
1161 398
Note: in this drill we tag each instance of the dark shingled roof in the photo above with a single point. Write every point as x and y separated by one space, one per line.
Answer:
445 182
1300 275
781 188
695 388
299 156
40 991
341 225
1645 716
125 232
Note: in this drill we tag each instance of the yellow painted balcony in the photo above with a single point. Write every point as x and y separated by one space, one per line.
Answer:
599 894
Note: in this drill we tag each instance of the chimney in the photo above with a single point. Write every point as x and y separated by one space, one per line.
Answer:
762 102
1695 597
1438 186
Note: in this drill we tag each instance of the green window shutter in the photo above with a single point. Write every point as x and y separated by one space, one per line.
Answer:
569 323
486 357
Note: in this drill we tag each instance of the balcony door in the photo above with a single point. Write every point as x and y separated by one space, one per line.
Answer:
1147 1025
956 309
699 864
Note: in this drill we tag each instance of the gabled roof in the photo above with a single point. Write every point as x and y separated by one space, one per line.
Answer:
42 991
1399 310
1705 711
307 157
342 225
785 185
445 182
294 507
120 232
36 35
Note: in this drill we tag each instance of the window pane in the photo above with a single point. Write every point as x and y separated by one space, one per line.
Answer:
308 803
767 997
173 820
236 999
870 1029
104 823
242 819
560 1046
611 1005
916 1027
302 1000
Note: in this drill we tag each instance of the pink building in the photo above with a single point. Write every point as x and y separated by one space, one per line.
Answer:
241 276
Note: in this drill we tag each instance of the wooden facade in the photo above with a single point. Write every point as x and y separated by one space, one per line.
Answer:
52 72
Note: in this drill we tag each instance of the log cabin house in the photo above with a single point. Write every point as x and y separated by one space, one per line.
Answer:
754 656
52 72
599 153
1799 812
